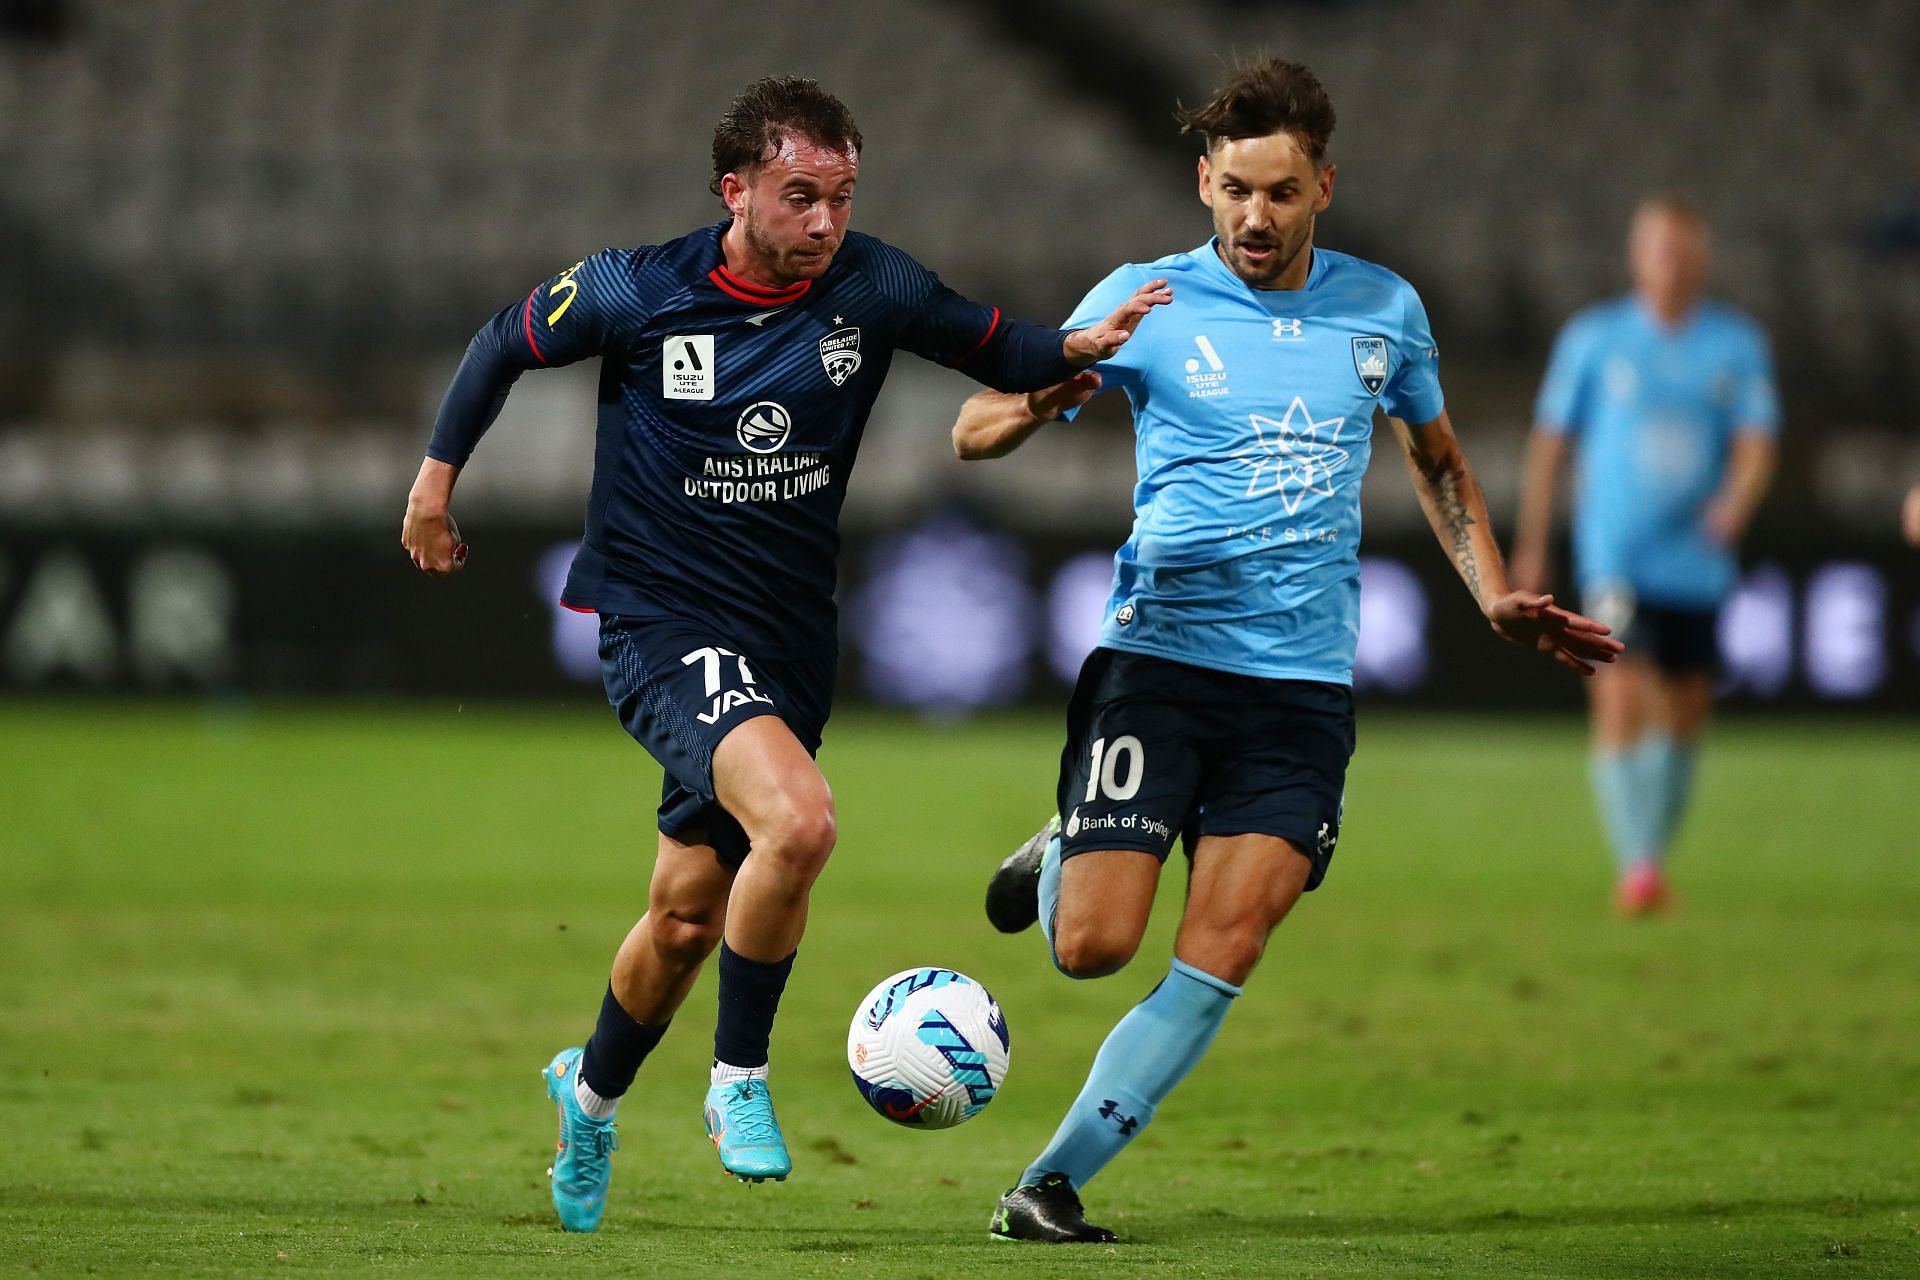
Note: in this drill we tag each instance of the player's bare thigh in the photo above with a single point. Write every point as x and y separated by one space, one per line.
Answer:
1241 887
1106 896
766 779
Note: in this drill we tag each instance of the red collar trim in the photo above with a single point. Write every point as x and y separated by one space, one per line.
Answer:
757 294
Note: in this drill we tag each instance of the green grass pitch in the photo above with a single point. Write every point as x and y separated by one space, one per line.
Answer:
278 983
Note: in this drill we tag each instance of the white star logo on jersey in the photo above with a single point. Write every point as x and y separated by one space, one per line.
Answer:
1292 457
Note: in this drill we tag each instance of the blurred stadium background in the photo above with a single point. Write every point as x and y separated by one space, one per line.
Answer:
247 240
307 863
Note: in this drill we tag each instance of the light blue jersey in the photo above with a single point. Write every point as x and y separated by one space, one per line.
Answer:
1253 421
1654 411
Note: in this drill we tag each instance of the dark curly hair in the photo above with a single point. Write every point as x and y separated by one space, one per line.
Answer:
766 111
1262 98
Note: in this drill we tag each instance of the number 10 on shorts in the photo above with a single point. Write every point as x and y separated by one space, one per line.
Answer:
1103 774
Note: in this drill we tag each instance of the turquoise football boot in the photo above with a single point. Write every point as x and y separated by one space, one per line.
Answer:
740 1122
583 1164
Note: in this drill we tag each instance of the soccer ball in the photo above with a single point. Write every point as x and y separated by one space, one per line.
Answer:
928 1048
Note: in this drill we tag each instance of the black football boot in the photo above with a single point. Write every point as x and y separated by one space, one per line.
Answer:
1013 895
1047 1211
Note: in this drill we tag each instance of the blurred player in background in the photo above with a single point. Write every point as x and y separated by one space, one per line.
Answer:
1670 403
739 364
1218 706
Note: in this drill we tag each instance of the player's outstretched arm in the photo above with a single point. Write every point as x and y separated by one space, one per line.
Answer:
568 317
1455 507
1097 342
1749 474
1546 452
993 424
474 399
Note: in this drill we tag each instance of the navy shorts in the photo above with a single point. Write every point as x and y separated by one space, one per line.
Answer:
1678 641
1158 749
679 688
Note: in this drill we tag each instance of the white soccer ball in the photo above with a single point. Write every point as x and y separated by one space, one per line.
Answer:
928 1048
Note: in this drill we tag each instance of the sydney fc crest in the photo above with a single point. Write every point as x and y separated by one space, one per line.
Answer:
1370 362
840 353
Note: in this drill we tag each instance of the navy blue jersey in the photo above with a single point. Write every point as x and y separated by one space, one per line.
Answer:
729 418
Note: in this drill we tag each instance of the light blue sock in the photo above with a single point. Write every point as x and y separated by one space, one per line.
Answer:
1666 763
1050 896
1625 807
1147 1053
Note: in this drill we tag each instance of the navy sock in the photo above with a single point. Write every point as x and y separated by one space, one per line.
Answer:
617 1048
749 998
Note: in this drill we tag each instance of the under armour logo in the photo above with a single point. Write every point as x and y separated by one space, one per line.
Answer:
1110 1110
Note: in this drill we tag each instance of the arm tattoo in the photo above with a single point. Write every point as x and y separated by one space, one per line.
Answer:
1453 515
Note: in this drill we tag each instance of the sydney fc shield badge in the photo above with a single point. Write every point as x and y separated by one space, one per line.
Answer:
840 353
1370 362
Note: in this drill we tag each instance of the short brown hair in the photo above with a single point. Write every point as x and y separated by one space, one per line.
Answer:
1674 206
1262 98
766 111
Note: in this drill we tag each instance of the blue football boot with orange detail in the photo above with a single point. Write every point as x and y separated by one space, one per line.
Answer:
583 1164
740 1122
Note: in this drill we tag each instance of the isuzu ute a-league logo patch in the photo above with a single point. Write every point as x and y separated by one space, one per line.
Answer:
686 367
1370 362
840 353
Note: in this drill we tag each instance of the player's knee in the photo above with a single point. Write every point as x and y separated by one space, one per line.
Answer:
685 941
800 836
1085 951
810 835
1228 948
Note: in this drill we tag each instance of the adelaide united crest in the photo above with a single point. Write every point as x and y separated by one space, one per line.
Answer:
840 353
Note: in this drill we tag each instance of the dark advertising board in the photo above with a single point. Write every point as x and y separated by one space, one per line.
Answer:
947 616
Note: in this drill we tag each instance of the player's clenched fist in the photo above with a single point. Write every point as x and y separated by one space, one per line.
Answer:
428 532
1096 342
433 544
